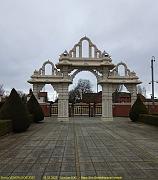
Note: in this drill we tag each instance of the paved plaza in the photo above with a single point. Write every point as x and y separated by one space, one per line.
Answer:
82 147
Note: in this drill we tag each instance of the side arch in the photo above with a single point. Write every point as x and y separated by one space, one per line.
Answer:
125 68
43 67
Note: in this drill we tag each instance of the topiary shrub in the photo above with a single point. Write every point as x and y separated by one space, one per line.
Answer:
137 109
35 109
15 110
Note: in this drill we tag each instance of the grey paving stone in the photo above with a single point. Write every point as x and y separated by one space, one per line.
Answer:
122 174
19 174
29 160
121 158
23 168
5 160
115 166
46 153
83 146
68 167
38 167
136 174
53 173
84 159
55 159
53 167
152 173
97 159
134 158
95 153
5 173
104 173
42 159
68 159
101 166
130 165
67 174
110 159
88 173
8 168
86 166
147 165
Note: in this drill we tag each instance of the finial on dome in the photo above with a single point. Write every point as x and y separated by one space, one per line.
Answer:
36 72
65 53
105 54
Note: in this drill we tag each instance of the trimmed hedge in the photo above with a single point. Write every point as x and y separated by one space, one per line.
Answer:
35 109
5 127
149 119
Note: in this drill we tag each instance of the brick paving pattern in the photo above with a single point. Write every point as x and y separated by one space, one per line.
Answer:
82 147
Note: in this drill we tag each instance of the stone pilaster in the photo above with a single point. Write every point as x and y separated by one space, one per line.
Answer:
107 103
63 102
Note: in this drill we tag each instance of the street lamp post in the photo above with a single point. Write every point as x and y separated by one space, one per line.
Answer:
152 78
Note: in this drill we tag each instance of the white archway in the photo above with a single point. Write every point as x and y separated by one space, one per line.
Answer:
97 62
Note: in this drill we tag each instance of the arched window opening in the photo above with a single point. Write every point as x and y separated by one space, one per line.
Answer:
85 49
72 54
48 69
93 52
98 54
77 51
121 70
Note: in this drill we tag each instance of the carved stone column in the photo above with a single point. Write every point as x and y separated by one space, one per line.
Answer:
107 114
132 88
63 102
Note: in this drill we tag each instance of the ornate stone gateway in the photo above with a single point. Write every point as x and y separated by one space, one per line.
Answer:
73 62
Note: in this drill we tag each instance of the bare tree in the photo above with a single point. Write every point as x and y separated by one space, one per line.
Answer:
141 90
1 90
83 86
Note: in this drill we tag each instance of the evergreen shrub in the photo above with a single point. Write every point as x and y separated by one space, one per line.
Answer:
35 109
15 110
137 109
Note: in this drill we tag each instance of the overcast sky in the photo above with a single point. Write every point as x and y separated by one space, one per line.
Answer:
32 31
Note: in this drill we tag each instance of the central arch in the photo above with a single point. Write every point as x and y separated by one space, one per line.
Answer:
85 104
82 70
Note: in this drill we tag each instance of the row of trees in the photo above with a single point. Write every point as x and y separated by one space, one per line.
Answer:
20 112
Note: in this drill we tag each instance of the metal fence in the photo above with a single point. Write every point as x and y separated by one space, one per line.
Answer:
80 109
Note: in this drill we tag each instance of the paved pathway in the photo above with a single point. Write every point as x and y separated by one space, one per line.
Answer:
82 147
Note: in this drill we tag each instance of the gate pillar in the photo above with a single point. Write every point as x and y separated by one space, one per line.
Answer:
107 114
63 102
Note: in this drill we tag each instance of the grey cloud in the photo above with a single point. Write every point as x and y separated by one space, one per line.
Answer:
32 31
